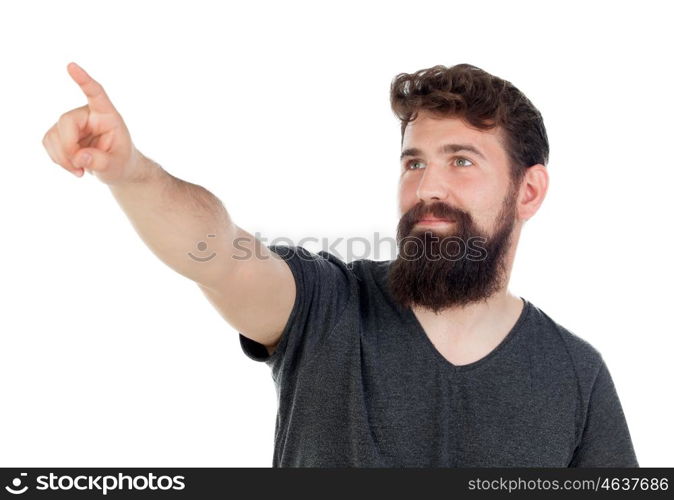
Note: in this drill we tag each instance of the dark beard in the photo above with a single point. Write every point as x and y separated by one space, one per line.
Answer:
437 270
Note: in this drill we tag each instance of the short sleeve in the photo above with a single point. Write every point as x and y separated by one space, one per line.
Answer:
322 283
605 440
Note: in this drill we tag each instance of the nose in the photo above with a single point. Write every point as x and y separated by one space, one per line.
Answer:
432 185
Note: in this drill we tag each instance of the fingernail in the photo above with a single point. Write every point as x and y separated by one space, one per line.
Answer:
83 160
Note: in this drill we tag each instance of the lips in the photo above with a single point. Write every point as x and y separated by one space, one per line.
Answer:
434 219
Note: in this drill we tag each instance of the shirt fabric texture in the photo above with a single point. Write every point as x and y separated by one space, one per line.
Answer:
360 384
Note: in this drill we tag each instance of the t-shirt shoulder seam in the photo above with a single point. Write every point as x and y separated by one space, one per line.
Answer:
352 290
579 392
565 336
589 399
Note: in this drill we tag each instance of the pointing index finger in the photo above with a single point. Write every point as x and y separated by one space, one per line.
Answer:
98 99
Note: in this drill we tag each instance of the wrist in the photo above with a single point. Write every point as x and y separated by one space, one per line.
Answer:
143 170
143 174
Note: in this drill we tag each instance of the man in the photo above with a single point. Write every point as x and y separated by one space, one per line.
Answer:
423 361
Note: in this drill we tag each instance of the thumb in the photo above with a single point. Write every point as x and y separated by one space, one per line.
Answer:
91 159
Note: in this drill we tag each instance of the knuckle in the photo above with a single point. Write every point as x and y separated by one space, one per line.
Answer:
48 134
47 142
67 117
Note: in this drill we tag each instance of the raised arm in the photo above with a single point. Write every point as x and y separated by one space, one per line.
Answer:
185 225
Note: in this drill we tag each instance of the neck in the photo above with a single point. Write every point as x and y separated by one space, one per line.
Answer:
469 320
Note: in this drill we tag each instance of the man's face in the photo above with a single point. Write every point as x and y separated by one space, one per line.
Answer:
464 258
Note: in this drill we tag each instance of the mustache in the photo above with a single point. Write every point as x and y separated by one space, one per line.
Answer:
438 210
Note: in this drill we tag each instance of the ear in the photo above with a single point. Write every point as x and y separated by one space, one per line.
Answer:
532 191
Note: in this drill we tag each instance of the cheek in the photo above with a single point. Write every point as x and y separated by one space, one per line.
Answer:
406 196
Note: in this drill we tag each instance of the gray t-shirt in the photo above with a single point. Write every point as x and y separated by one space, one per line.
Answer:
360 384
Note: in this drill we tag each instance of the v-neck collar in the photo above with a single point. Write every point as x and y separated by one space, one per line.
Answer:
419 331
412 321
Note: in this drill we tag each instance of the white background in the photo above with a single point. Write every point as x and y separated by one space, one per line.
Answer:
281 109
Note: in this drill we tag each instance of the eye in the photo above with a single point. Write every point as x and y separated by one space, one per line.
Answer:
461 159
409 163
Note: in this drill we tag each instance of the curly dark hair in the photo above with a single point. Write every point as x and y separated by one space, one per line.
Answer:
481 99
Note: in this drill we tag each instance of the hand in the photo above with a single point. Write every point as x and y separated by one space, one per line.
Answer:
94 137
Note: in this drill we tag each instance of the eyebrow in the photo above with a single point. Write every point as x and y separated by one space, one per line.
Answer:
447 148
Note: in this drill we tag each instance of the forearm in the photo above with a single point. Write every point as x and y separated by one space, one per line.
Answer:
173 216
